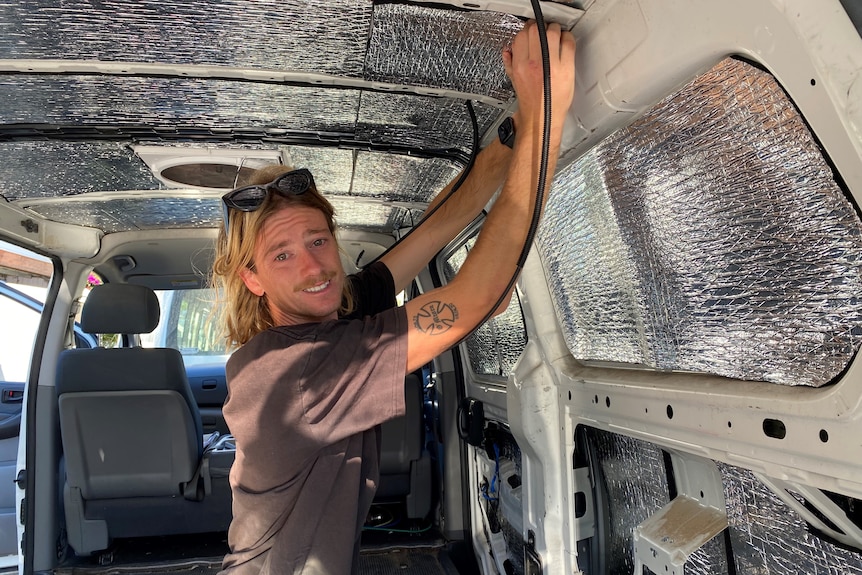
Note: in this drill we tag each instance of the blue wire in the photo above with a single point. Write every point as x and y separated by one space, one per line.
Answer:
496 468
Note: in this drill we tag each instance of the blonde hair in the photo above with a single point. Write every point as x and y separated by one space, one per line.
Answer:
244 314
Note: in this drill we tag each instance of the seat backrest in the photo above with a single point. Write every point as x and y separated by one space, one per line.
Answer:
402 438
128 419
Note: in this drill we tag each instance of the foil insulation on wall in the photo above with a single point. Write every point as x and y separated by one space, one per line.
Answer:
635 484
711 559
709 236
495 346
769 538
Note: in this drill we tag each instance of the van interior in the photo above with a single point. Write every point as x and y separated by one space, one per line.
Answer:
673 389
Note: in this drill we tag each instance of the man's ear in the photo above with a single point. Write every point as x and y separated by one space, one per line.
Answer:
249 278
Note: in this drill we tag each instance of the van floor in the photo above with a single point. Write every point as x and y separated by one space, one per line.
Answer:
427 553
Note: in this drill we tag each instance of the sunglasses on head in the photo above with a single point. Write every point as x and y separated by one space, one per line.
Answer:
250 198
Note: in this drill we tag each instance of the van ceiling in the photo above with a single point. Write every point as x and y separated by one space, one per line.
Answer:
377 109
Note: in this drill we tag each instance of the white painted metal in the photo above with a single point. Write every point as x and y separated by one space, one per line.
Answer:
632 53
842 529
39 234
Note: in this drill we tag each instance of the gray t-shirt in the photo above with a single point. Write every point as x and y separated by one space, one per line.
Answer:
304 403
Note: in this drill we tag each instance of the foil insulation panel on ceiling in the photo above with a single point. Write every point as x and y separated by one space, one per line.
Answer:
328 37
332 167
174 103
441 49
58 168
402 44
401 178
180 103
769 538
129 213
353 213
389 177
54 168
46 169
709 236
420 121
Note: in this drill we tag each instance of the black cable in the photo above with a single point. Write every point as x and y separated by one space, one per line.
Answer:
474 151
543 164
546 135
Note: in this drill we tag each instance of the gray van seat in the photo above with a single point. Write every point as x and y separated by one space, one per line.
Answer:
405 465
135 463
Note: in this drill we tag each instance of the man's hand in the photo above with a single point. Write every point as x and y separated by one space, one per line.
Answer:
523 63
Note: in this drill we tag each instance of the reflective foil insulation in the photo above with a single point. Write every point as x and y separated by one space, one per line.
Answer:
632 475
709 236
769 538
495 346
86 123
764 537
342 175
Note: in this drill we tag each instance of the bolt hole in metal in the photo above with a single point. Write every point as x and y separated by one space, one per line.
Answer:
774 428
824 435
670 412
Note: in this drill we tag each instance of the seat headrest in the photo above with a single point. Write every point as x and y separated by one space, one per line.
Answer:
120 308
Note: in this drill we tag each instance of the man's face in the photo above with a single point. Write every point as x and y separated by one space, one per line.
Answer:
297 266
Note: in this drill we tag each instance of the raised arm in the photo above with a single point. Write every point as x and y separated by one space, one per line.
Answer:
407 258
444 316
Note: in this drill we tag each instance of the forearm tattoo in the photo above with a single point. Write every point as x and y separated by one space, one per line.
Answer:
435 317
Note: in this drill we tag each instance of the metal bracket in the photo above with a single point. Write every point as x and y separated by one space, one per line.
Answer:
666 540
831 519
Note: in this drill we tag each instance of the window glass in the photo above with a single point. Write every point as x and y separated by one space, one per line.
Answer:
495 346
24 278
188 323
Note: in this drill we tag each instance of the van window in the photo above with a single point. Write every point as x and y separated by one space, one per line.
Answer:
188 323
16 345
24 278
495 346
709 236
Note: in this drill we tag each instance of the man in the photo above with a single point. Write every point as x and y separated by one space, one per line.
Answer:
323 357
